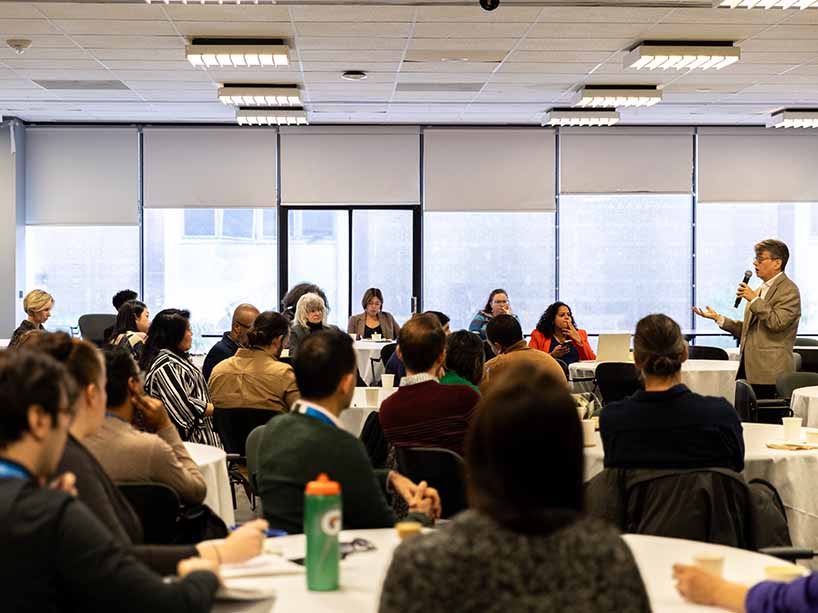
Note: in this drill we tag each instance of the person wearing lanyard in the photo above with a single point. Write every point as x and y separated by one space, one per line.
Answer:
297 446
56 555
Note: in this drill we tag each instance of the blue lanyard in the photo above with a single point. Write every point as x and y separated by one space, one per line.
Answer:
12 471
319 416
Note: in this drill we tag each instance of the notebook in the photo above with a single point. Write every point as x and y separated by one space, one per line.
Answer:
614 348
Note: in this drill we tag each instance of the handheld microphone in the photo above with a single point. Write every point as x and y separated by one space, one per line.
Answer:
747 275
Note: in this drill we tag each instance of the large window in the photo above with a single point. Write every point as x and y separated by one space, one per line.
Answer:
209 261
319 253
382 257
82 267
726 234
466 255
625 256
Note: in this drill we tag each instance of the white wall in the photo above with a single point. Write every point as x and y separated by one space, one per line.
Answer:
12 226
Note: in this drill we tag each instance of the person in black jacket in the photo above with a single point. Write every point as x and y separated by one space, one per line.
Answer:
243 317
55 555
666 425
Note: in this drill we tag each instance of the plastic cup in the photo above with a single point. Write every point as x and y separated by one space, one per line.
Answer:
372 396
710 562
588 430
387 381
792 428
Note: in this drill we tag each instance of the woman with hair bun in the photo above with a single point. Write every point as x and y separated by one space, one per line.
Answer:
254 378
665 425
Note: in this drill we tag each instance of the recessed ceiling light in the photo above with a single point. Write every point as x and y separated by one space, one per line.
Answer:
454 59
237 52
794 118
354 75
580 117
254 94
271 116
617 95
652 55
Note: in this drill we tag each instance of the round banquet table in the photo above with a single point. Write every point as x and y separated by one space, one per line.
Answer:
354 417
362 574
705 377
734 353
212 463
804 404
368 355
792 473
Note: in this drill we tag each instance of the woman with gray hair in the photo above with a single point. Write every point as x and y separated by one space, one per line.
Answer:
310 316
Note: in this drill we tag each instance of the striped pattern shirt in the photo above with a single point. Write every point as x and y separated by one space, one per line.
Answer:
183 389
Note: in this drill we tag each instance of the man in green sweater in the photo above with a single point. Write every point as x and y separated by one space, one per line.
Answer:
297 446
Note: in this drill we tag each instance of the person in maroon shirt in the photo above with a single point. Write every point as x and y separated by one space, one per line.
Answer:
424 413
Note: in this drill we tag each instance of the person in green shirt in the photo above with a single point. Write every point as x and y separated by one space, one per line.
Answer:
464 360
297 446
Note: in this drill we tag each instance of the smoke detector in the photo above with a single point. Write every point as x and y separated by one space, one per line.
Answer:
18 44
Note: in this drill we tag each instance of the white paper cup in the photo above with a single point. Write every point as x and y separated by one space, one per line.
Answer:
582 411
376 337
353 336
792 428
812 436
709 562
387 381
588 429
373 394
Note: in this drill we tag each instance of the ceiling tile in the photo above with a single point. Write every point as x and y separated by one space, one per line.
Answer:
265 29
449 67
18 10
723 16
470 30
323 55
460 14
587 30
21 27
99 11
603 14
575 44
339 43
347 29
394 14
459 44
129 42
227 13
113 28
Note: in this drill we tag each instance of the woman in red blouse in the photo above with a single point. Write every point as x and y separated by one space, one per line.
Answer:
556 333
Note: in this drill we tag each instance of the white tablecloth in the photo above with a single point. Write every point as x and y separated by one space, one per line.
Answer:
804 404
706 377
362 574
792 473
368 354
734 353
212 461
354 417
4 342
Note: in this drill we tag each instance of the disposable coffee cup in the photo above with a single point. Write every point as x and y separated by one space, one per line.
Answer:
387 381
792 428
353 336
372 396
376 337
711 563
588 430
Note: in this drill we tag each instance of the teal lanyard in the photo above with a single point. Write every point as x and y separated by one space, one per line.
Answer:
12 471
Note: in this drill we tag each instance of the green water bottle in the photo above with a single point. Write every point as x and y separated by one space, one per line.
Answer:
322 524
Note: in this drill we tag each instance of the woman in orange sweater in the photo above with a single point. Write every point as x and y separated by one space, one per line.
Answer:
556 333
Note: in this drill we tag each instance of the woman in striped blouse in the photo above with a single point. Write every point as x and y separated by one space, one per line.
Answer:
173 379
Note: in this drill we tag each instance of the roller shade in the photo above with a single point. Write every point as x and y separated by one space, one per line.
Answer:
488 169
82 176
626 160
758 165
350 165
210 167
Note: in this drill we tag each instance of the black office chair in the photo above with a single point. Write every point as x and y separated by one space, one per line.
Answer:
809 358
387 351
787 383
806 341
702 352
252 451
751 409
93 326
442 469
564 367
157 507
616 380
234 426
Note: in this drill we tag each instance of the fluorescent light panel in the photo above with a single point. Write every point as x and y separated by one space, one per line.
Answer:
238 54
613 96
680 57
581 117
794 118
765 4
271 116
244 95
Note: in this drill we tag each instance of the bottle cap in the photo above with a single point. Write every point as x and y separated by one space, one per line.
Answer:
322 486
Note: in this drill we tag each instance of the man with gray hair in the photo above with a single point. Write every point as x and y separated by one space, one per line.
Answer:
768 329
243 317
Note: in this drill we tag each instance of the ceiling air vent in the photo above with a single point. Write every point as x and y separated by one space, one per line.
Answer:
440 87
83 85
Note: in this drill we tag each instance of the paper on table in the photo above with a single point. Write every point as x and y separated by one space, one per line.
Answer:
250 580
792 446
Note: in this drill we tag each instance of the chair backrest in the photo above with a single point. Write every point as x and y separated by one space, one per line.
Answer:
564 367
703 352
377 447
617 380
788 382
806 341
235 425
442 469
809 358
157 506
252 449
745 401
93 326
386 353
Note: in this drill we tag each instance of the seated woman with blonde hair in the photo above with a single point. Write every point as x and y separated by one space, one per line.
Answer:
37 305
310 316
